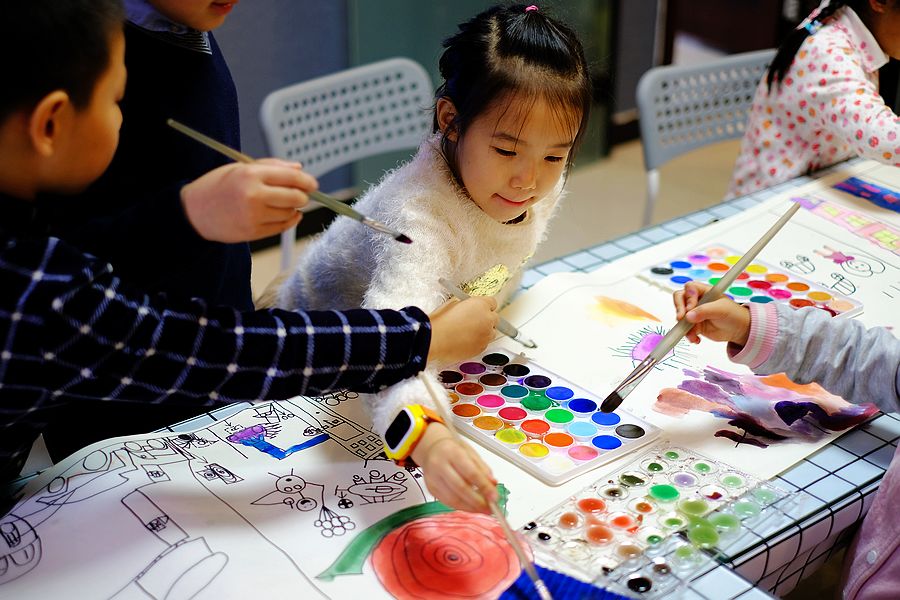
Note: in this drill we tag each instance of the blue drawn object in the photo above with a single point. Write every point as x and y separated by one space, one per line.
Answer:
876 194
560 585
255 437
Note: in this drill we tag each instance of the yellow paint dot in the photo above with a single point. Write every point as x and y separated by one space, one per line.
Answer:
776 277
732 259
819 296
534 450
756 269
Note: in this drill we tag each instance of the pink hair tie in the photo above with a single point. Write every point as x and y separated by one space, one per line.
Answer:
531 8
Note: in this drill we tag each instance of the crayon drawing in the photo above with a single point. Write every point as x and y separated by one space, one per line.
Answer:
642 342
762 410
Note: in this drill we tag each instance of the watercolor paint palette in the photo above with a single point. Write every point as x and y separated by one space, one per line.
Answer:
760 282
536 419
626 518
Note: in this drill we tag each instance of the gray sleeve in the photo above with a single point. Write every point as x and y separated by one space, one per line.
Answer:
841 355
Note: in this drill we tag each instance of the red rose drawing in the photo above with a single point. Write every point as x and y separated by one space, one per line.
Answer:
450 555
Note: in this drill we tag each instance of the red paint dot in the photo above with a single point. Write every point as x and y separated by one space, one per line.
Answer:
591 505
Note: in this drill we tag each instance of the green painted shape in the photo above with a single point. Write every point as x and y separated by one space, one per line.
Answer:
671 455
559 415
702 467
664 492
654 539
740 291
764 495
655 467
353 558
631 480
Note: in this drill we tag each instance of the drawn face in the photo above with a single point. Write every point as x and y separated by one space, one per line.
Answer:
20 548
511 158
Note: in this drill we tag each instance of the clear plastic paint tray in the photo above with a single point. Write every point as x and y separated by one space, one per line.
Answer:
761 282
532 417
627 516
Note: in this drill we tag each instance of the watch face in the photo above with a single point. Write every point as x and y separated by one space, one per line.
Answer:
399 428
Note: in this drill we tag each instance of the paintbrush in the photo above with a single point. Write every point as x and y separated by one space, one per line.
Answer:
675 334
325 200
541 588
503 326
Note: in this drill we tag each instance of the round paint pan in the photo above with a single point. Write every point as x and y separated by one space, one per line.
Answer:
605 420
492 381
487 424
558 441
449 379
465 411
514 393
510 438
469 390
535 428
490 403
583 454
559 418
516 370
495 361
534 451
472 370
582 408
513 415
537 382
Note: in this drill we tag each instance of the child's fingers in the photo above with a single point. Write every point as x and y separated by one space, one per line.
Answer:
477 474
678 300
461 492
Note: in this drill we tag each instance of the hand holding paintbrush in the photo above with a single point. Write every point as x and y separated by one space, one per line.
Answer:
323 199
514 542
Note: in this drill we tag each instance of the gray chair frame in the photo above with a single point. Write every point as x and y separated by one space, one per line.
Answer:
683 108
337 119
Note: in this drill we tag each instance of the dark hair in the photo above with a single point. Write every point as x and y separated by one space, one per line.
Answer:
788 49
504 50
49 45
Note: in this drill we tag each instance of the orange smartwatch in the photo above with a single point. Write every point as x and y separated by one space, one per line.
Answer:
405 431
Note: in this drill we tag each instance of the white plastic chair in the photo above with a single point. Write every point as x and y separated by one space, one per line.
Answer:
683 108
332 121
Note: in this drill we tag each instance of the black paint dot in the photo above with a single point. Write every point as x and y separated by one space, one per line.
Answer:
661 270
630 431
516 370
544 537
530 526
495 359
640 584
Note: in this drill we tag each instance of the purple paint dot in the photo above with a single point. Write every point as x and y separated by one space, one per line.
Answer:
472 368
644 347
536 381
684 479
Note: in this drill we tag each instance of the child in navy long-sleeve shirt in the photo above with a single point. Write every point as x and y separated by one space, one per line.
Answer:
71 331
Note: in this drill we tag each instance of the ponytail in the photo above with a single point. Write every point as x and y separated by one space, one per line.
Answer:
788 49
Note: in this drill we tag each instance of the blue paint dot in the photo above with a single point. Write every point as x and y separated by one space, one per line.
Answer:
699 273
559 393
681 264
514 391
606 419
761 299
606 442
582 405
681 279
582 429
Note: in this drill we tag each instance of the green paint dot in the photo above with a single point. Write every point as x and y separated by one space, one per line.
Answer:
685 553
702 467
655 467
703 536
664 493
671 455
740 291
654 539
724 522
536 403
733 481
632 480
746 510
693 507
559 415
764 495
673 522
714 280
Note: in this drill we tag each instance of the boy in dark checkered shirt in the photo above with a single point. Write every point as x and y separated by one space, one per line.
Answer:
70 329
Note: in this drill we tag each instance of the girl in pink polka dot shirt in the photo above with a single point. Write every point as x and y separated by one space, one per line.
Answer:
819 103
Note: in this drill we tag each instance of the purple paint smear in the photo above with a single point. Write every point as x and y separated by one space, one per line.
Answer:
647 344
762 409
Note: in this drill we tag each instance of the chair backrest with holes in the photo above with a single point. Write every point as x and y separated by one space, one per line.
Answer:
685 107
337 119
332 121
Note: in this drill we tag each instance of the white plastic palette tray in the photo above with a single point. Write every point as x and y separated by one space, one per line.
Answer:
760 282
532 417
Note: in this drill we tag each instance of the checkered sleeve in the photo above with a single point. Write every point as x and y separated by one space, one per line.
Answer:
131 346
